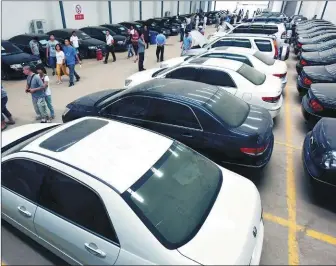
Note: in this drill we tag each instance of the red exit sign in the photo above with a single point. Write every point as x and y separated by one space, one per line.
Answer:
79 16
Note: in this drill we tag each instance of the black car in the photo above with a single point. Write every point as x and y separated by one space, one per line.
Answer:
172 25
315 74
319 39
319 155
99 33
153 25
320 101
87 45
22 41
316 33
204 117
320 29
137 26
117 28
13 59
326 57
318 47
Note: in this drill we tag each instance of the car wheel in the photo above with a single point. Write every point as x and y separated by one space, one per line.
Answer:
4 75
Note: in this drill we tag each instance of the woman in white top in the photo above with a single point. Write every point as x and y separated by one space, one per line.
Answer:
60 64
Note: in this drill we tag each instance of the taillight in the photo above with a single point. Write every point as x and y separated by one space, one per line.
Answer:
307 81
280 75
276 52
299 45
315 106
303 62
271 99
254 151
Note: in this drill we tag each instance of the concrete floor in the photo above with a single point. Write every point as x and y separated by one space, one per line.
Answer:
298 230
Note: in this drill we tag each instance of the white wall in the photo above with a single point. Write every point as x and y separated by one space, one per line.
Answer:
121 11
277 6
147 10
330 11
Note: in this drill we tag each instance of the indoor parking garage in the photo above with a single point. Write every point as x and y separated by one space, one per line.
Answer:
168 132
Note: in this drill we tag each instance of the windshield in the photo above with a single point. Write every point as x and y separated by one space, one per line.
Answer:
268 60
82 35
174 197
8 48
251 74
229 108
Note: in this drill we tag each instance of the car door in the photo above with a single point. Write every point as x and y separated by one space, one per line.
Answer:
218 78
72 219
175 120
184 73
21 180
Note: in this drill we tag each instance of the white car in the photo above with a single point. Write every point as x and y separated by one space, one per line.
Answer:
100 192
241 80
251 57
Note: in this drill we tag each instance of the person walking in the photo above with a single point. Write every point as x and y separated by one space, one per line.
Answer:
74 42
135 40
70 59
47 90
205 19
109 47
182 29
129 45
35 46
60 64
141 52
146 36
51 53
197 22
160 44
36 88
4 110
186 44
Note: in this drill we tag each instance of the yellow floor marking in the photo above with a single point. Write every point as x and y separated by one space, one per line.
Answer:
309 232
288 145
293 255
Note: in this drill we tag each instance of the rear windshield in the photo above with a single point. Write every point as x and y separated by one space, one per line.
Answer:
174 197
251 74
230 109
8 48
264 45
266 59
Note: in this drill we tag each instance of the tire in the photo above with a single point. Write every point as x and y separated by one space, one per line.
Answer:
4 75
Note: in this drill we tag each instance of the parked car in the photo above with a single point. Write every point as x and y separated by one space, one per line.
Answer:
309 24
171 24
137 26
315 74
22 41
235 77
81 210
315 34
13 59
319 155
158 26
117 28
316 30
326 57
251 57
204 117
99 33
318 47
87 45
320 101
316 40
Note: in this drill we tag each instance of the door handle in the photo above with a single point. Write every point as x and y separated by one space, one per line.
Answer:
92 248
187 135
24 212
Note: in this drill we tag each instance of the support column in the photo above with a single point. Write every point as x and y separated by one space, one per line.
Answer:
161 9
215 6
62 14
178 7
324 9
110 11
140 10
190 7
300 8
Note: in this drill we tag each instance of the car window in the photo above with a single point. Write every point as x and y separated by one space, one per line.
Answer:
236 57
252 75
174 198
132 107
268 60
76 203
186 73
220 43
241 43
23 177
263 45
216 77
172 113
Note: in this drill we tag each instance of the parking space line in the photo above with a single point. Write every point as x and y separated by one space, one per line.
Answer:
293 255
299 228
288 145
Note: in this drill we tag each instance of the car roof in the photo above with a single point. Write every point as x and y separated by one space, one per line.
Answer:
250 35
216 62
65 30
237 50
117 154
32 35
95 27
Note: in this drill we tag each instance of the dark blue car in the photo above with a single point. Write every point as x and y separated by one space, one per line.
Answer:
320 101
204 117
319 154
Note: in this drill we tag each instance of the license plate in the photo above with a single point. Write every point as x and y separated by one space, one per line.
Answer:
120 42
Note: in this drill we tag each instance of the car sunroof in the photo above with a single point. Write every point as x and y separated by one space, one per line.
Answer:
71 135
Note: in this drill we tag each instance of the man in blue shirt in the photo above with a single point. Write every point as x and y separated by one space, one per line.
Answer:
187 43
70 60
160 43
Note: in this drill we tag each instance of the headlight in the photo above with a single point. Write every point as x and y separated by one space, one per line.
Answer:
329 160
39 61
92 47
66 111
128 82
16 66
162 65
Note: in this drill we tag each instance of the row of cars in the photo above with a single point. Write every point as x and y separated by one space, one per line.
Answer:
315 47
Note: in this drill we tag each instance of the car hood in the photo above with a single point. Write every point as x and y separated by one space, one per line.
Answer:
173 61
226 237
92 42
91 99
198 38
318 73
142 76
18 58
324 132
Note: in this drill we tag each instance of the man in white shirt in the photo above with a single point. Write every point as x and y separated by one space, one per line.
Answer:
74 41
204 22
109 47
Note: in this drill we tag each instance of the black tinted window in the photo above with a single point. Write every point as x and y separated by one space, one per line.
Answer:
264 45
23 177
266 59
220 43
216 77
172 113
241 43
133 107
186 73
251 74
77 203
